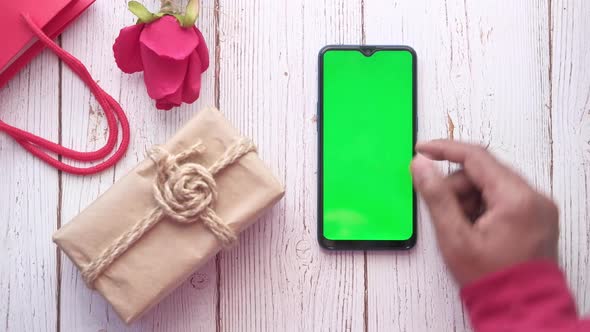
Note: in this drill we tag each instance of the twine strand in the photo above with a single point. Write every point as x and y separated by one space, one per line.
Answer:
184 192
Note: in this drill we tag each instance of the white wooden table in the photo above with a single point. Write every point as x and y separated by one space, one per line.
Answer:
513 75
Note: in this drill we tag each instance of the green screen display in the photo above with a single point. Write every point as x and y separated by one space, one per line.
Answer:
367 124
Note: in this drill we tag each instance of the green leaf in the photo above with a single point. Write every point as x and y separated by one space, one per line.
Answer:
144 15
192 14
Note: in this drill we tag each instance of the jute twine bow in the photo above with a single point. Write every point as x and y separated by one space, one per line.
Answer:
184 192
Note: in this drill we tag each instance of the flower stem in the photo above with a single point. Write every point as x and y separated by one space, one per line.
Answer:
168 6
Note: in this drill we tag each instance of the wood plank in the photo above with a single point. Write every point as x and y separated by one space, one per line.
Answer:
483 74
192 307
277 278
570 109
28 202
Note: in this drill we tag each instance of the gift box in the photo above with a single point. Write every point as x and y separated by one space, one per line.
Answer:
171 214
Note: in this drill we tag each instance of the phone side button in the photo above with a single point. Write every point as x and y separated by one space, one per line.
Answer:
317 116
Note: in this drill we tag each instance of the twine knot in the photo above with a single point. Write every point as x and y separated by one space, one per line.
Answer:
185 192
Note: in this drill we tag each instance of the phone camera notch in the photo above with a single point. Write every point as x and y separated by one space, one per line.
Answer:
368 50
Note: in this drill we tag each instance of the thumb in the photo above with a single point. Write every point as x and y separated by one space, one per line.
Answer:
445 211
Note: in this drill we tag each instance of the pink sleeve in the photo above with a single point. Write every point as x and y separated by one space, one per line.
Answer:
528 297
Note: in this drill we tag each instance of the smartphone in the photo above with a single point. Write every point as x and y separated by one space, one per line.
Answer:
366 137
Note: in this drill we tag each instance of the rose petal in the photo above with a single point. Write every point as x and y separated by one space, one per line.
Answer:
163 105
162 76
192 81
167 38
202 50
126 49
174 98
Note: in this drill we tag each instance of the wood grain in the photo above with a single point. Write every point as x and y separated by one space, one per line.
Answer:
28 202
514 80
277 279
410 291
192 306
482 78
570 109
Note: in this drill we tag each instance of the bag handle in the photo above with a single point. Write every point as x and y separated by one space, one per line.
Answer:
39 146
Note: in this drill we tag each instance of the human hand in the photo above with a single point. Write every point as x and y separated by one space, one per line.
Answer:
486 217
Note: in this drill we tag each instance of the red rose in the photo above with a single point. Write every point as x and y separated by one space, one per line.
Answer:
172 58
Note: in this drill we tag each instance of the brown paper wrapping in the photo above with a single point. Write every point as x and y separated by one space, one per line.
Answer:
168 254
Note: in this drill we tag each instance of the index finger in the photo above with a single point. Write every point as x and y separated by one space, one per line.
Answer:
481 167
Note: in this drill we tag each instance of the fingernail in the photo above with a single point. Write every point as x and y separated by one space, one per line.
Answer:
422 169
419 147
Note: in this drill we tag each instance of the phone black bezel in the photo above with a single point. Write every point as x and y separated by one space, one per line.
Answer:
362 244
